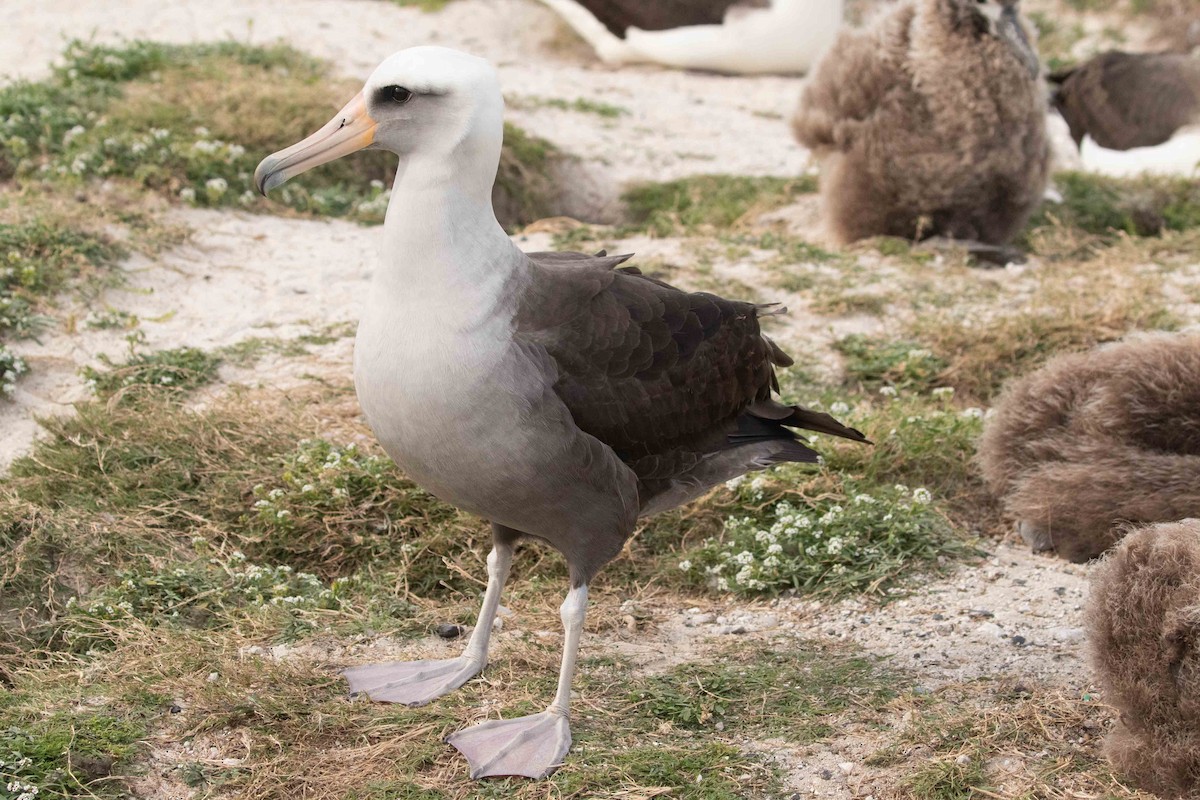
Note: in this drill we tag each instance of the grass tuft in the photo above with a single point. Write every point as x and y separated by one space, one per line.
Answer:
179 369
1100 205
850 538
795 694
707 201
874 362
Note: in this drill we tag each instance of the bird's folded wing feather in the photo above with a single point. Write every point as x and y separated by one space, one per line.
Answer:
657 15
642 366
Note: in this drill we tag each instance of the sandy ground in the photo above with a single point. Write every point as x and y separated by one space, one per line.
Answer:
242 276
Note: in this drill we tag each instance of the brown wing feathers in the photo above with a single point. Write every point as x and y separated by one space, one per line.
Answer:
651 370
1127 100
656 15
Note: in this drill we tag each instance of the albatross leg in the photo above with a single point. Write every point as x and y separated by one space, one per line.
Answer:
415 683
536 745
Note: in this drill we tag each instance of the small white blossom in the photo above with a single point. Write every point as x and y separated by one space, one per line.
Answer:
887 391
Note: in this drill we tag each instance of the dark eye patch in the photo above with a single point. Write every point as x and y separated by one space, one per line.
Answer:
395 94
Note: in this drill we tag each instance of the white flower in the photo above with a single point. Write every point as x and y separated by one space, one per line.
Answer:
972 413
71 134
839 408
774 549
834 545
758 484
887 391
943 391
864 499
734 483
744 558
685 565
215 187
187 194
921 495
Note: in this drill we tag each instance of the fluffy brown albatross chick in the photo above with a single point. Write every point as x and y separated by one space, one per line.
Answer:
558 395
1144 629
1095 439
930 123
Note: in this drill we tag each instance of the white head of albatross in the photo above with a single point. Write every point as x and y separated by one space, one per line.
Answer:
558 395
438 104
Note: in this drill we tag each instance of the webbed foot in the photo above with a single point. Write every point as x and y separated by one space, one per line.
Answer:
412 683
532 746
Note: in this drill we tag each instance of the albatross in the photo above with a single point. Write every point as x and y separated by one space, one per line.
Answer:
560 396
1131 113
739 37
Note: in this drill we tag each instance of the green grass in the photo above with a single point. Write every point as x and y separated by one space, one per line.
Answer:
179 369
707 201
874 363
580 105
117 491
795 693
428 6
65 753
524 189
949 779
824 536
1104 206
39 258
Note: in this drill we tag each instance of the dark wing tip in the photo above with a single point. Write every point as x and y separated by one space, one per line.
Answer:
807 419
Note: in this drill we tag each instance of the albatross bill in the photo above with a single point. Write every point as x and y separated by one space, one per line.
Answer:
351 130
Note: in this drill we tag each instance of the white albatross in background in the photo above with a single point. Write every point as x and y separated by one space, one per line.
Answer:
560 396
740 38
1133 113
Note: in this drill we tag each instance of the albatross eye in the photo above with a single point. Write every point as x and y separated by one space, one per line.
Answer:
398 94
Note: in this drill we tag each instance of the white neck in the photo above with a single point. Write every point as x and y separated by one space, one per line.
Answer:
441 238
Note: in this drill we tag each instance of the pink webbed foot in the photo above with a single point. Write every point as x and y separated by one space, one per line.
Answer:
413 683
532 746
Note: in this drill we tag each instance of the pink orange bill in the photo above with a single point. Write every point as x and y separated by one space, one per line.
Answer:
351 130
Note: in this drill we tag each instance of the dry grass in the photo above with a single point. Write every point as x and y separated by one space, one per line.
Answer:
1001 739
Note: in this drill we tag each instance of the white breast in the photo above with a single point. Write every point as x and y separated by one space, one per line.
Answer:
1178 156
